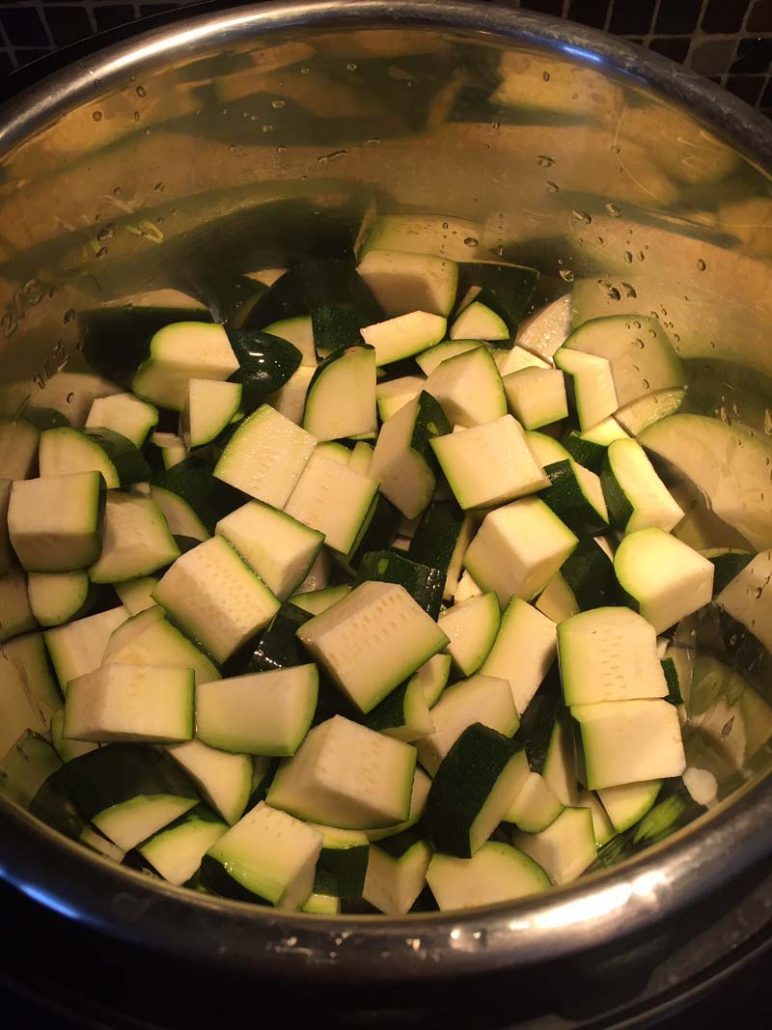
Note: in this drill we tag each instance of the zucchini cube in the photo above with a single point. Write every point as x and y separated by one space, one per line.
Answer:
54 522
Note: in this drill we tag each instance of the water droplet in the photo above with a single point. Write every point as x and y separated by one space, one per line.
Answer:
267 129
470 241
641 256
546 76
582 216
630 290
552 187
373 142
628 257
701 265
277 104
97 116
141 91
726 729
281 148
136 116
70 315
613 210
495 125
305 70
117 191
101 252
567 275
768 423
351 67
159 187
601 240
645 384
500 250
638 342
106 232
637 324
544 161
613 293
69 398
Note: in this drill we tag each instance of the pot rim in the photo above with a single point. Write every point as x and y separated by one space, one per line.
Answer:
64 876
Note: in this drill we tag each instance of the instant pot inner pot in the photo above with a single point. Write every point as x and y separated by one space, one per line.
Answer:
219 156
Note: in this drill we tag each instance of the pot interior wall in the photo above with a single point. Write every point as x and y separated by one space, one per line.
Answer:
204 163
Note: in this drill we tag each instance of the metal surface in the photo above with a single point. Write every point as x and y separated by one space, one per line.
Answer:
240 141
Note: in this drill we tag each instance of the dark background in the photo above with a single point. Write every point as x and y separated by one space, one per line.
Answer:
729 41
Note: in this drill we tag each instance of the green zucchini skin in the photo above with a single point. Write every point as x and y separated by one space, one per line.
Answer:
276 647
193 480
565 498
436 535
504 288
589 572
424 583
266 363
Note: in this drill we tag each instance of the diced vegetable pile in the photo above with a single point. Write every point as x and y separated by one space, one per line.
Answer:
366 596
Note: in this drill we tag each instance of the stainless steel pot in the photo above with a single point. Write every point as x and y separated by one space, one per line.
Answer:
238 141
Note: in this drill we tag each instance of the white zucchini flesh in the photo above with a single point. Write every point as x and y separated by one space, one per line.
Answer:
332 499
139 703
638 415
468 388
318 576
640 356
148 639
557 600
172 448
176 851
394 394
560 770
403 282
404 336
266 456
403 473
471 628
125 414
131 822
748 598
180 517
523 651
280 549
602 827
728 465
545 332
418 795
54 523
433 677
99 843
466 588
340 401
518 549
264 713
489 464
537 396
535 807
667 579
346 775
372 640
210 406
627 804
224 779
565 849
420 234
271 854
136 540
516 359
79 647
317 601
360 457
290 399
393 883
591 383
482 699
299 331
335 451
213 595
478 322
629 472
178 353
629 741
496 873
57 597
609 654
429 359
